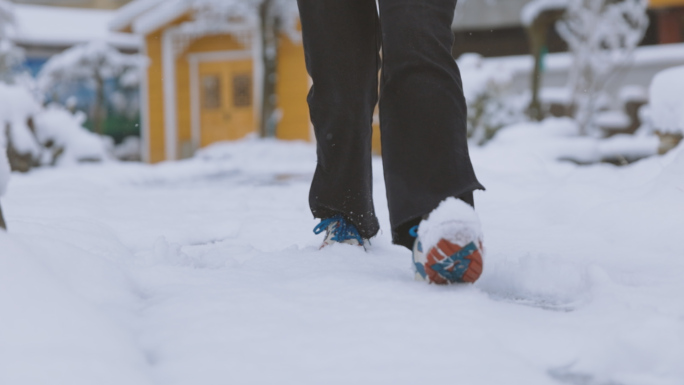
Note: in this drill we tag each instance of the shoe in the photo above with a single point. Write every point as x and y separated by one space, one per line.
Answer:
339 230
448 246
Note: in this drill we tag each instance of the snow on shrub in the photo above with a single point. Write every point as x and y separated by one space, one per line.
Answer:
601 36
17 106
67 142
667 101
560 139
33 135
487 90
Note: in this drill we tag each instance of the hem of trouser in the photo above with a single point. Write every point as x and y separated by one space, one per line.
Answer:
430 207
363 230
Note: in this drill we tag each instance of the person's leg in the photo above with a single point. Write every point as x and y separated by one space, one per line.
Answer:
422 113
341 45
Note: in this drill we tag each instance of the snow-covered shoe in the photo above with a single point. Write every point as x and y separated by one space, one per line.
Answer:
448 246
339 230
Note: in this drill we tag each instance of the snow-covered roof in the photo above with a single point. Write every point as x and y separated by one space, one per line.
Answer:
60 26
145 16
126 15
167 11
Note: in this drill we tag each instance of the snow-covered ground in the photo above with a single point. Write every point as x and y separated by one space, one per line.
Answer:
206 272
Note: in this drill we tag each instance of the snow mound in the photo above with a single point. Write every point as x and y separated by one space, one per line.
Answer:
202 282
61 319
667 102
612 119
453 219
558 139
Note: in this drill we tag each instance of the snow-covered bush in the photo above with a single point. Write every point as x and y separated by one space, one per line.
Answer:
33 135
16 140
91 64
491 104
601 35
65 140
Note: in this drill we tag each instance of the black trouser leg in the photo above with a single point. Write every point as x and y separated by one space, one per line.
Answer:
341 47
422 109
422 112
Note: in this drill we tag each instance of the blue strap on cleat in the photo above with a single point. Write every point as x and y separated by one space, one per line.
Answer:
413 231
340 229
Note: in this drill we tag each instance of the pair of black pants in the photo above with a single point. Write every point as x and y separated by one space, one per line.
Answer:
422 109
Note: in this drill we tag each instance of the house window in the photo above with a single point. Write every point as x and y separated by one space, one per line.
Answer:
211 92
242 90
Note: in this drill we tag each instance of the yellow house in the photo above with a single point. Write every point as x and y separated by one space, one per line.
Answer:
203 82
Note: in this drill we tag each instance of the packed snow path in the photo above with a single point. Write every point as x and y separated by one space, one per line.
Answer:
207 272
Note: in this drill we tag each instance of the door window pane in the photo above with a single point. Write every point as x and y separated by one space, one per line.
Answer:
242 90
211 91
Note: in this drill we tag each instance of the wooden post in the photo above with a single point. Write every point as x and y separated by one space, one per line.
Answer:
99 114
270 33
538 35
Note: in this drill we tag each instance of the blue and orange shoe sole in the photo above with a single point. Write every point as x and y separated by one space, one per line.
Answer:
448 263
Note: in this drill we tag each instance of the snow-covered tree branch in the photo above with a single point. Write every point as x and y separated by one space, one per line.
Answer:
91 63
601 34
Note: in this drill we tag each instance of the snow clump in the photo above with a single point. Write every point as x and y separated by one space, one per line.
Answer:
453 219
487 87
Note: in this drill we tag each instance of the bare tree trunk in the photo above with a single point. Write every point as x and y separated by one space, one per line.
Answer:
270 33
3 225
98 106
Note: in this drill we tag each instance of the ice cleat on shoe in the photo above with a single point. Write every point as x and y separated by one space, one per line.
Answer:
448 246
339 230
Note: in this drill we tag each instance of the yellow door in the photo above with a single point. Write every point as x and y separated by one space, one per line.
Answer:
226 100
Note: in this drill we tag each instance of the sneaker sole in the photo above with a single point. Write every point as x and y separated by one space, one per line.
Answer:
450 263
